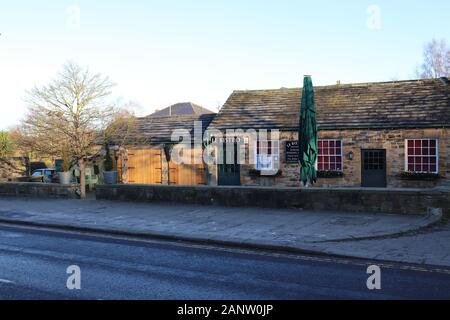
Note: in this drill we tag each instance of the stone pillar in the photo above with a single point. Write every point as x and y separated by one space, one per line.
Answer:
123 154
164 167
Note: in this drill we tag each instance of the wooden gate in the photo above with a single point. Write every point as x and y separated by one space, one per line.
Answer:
144 166
187 174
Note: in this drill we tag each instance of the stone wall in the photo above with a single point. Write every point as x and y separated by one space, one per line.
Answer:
353 141
38 190
395 201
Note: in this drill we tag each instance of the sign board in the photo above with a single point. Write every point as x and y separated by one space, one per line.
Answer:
292 152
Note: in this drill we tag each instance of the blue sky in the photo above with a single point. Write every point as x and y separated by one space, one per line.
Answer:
163 52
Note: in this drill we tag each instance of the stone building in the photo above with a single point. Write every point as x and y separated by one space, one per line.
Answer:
391 134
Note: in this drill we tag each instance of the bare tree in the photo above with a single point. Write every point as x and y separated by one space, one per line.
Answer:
123 129
35 144
436 62
131 106
71 110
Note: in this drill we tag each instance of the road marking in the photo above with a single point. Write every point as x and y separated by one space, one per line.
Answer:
6 281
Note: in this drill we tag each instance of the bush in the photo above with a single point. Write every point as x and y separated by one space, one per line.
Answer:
330 174
419 176
6 145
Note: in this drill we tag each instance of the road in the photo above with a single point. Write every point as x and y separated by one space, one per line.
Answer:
33 264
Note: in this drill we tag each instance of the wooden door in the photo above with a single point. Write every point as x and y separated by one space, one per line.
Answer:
144 166
188 174
173 173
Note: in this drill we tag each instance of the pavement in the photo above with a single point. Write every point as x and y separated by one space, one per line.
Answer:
33 265
397 238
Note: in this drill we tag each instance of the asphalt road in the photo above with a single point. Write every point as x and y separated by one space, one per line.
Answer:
33 265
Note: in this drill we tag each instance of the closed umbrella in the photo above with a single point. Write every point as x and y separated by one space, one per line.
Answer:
308 134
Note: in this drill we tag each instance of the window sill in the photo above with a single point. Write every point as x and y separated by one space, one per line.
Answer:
260 173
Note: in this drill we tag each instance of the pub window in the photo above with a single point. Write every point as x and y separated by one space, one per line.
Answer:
267 154
330 155
422 155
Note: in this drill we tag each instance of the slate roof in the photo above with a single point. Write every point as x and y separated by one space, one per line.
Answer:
158 127
182 109
158 130
400 104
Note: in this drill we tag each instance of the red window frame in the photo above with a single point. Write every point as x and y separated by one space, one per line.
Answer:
330 157
422 155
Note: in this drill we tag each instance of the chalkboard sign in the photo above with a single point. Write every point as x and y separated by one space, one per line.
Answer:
292 152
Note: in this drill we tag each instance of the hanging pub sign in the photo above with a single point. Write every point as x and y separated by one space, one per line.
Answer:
292 152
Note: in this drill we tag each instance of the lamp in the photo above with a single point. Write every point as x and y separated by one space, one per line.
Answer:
351 155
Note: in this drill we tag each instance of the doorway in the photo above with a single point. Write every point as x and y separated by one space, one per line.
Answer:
374 169
229 173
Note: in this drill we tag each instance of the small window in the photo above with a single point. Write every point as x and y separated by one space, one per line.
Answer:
330 155
422 156
267 154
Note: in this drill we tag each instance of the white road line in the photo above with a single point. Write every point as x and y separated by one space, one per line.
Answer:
6 281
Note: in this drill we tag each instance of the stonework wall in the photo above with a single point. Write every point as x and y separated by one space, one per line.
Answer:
164 168
394 143
354 141
394 201
38 190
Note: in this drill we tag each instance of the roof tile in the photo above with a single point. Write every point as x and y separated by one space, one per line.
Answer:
418 103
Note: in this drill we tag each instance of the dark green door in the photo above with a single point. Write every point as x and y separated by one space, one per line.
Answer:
230 171
374 169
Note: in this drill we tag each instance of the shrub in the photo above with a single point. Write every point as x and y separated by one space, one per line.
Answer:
109 164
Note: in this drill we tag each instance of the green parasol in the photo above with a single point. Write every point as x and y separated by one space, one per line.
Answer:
308 134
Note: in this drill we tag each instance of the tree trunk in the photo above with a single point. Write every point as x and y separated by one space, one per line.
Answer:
82 165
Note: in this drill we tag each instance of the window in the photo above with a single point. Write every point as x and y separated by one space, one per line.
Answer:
374 159
330 155
267 155
422 155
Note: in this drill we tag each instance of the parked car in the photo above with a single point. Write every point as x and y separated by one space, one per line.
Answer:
44 175
36 165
